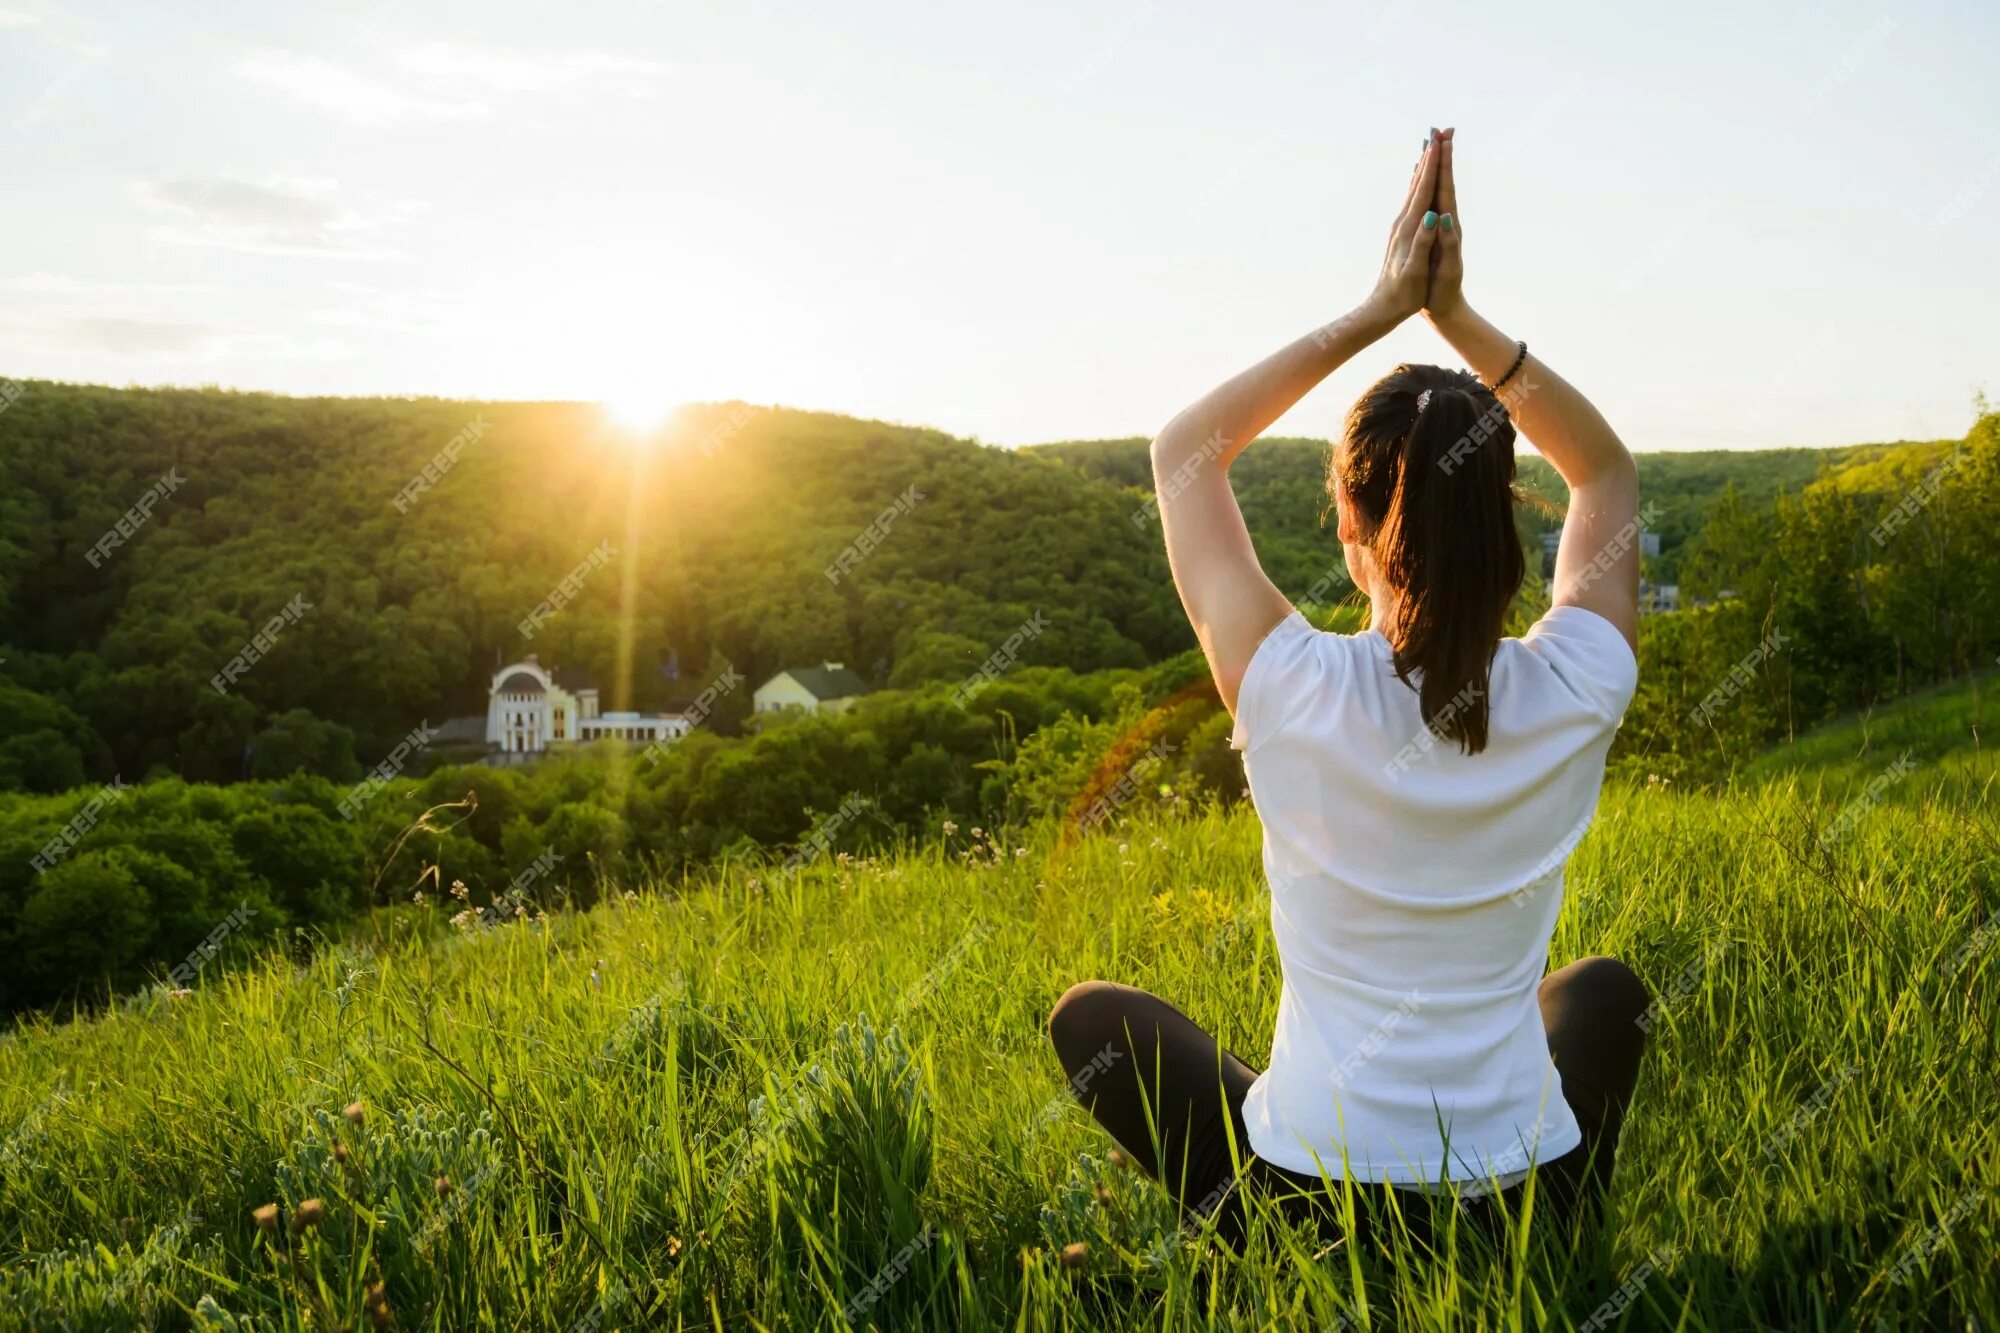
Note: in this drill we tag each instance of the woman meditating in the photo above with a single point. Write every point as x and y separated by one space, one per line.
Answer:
1420 785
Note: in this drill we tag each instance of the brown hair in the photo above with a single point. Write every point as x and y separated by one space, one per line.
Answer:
1435 489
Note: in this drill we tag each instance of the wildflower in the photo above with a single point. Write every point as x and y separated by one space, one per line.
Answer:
1020 852
340 1152
1075 1254
1118 1157
266 1218
353 1113
309 1214
673 1247
179 994
418 897
949 828
459 891
443 1186
1103 1197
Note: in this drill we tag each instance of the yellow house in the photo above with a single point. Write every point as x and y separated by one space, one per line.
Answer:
828 687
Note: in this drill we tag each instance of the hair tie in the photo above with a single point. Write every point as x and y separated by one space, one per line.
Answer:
1423 401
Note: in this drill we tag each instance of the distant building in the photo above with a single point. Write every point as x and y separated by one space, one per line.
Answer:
530 708
1649 545
1657 597
829 687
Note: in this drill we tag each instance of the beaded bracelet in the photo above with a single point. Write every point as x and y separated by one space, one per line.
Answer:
1520 359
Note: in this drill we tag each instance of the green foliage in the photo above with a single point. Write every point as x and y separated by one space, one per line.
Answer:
1809 1147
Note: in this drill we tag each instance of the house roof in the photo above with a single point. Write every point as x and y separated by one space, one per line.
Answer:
575 678
827 682
460 730
521 682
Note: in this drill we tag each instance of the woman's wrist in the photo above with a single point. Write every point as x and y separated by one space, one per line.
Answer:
1372 320
1449 318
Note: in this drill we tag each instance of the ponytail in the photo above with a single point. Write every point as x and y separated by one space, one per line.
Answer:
1445 538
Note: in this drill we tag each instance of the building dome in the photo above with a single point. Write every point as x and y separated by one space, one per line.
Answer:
521 682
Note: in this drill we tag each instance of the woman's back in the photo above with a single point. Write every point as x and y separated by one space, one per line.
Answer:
1414 891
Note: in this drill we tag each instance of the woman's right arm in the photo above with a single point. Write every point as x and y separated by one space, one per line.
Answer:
1597 562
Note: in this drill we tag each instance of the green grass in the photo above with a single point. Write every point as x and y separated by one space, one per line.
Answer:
1818 1094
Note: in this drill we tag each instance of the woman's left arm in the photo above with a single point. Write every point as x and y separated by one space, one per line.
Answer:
1228 599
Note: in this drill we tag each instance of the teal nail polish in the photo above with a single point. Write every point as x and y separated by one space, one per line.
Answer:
1446 219
1430 220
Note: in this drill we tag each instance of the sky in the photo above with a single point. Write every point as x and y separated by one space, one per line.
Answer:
1733 226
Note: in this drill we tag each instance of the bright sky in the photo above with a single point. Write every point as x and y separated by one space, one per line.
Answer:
1733 225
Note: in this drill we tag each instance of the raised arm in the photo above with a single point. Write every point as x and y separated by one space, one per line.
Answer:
1597 562
1228 599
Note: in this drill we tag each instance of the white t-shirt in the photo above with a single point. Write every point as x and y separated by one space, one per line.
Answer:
1413 892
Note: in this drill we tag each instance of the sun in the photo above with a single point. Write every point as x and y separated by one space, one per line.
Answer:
640 410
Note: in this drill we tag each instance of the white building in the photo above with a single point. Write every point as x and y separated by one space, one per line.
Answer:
530 708
829 687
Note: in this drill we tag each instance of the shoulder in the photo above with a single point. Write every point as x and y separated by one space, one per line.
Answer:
1587 655
1294 668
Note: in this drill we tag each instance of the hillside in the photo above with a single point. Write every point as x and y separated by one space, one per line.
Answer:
1281 479
741 1100
757 538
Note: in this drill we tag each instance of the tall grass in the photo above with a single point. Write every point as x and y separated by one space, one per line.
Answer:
827 1099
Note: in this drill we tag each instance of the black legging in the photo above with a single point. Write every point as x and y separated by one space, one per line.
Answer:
1151 1076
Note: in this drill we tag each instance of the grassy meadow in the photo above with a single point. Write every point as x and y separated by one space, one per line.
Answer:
826 1099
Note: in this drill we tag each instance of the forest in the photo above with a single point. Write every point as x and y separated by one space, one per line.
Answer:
360 565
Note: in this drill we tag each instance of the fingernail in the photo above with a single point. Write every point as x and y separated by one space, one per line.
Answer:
1434 131
1446 219
1430 220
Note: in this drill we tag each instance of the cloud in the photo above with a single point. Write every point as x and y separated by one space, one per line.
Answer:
14 18
144 338
123 335
278 216
512 72
320 83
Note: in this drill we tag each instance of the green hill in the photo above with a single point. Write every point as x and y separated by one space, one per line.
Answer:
1281 480
741 1100
760 538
